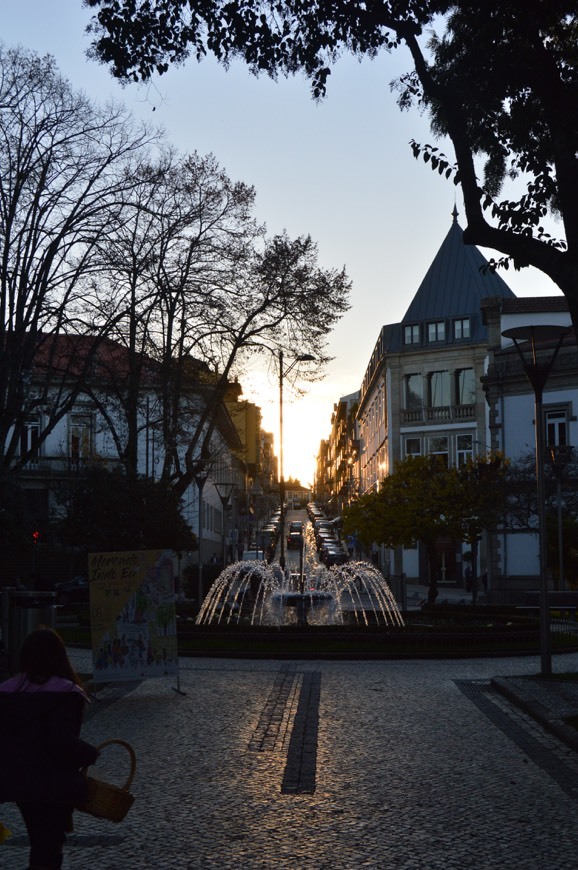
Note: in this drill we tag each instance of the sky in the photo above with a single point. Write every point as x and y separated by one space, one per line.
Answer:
340 170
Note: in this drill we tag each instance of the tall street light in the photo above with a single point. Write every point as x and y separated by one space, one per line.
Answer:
201 475
225 491
306 357
538 372
560 456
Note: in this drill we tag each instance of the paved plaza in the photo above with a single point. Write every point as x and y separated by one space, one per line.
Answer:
405 765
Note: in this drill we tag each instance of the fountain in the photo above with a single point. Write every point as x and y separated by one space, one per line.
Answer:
257 594
256 610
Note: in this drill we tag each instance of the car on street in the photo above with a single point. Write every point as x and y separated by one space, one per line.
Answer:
333 555
294 541
296 526
253 555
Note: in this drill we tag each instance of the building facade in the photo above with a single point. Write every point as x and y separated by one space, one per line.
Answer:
422 390
94 432
514 565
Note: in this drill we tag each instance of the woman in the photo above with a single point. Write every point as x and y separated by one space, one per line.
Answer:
41 754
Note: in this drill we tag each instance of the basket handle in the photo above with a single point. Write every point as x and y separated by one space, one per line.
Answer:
131 753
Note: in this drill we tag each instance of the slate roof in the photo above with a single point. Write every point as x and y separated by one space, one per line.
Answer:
452 288
454 284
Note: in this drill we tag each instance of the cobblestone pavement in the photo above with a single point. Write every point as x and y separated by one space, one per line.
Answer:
412 765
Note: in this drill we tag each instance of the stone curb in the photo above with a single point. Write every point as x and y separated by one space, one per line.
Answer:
537 711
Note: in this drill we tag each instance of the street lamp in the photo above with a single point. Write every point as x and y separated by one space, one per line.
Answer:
201 475
537 373
224 491
560 456
306 357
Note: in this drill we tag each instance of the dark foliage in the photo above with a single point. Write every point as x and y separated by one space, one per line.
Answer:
500 79
110 512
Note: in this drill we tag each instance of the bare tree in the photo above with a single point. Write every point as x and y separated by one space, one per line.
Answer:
197 289
62 186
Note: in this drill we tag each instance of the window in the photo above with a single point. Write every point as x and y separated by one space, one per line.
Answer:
464 449
80 436
29 437
556 428
465 387
438 446
462 328
412 447
439 389
411 334
436 331
413 392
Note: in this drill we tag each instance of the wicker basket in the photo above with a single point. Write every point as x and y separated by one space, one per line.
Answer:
106 801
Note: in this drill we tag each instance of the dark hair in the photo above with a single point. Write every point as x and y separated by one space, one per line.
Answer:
43 655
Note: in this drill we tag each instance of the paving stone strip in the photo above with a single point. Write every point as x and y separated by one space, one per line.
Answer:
290 722
484 697
274 721
300 770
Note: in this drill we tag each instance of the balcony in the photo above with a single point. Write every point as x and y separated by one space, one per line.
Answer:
443 414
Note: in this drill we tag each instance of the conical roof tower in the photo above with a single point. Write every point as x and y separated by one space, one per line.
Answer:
455 283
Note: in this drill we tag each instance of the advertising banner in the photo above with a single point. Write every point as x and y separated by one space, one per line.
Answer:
132 614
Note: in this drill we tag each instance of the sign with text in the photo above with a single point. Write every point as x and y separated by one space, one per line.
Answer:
132 615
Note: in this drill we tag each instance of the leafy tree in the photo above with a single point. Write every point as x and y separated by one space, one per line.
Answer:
522 508
409 506
569 549
16 522
478 500
107 511
423 499
499 79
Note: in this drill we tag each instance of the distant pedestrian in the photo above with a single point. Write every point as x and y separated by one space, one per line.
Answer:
41 753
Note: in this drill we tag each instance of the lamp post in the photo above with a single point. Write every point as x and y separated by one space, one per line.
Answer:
225 491
306 357
201 475
537 373
560 455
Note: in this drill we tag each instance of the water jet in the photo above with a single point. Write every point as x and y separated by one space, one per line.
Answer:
257 594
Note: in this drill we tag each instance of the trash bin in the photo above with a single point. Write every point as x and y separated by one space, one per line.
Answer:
26 612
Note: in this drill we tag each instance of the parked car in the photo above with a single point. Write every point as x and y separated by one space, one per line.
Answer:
324 536
253 556
75 591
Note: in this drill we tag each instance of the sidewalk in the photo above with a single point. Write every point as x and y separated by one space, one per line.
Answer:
547 701
417 595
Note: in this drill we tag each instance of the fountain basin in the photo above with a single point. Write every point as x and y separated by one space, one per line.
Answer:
415 640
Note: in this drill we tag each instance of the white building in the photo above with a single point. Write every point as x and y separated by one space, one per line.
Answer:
94 431
514 566
422 393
